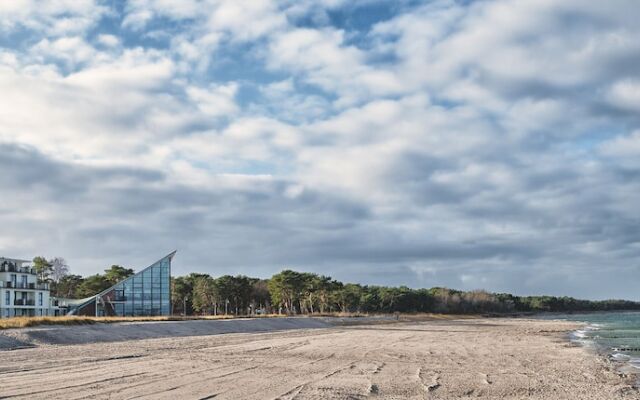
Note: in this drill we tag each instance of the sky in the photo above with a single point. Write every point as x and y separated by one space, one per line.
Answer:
470 144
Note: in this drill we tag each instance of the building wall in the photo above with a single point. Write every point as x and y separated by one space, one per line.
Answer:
87 309
20 293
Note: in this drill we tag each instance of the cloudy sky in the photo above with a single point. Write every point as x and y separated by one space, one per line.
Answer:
470 144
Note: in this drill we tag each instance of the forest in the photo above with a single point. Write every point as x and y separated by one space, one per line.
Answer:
292 292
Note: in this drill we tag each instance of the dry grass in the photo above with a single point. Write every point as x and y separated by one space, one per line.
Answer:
25 322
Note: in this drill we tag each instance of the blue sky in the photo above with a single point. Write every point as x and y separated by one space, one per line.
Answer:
487 144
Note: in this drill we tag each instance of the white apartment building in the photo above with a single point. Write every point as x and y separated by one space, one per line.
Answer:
21 294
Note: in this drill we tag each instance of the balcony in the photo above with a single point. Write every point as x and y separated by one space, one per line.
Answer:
24 302
7 267
21 285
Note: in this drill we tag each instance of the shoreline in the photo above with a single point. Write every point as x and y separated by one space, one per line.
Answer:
619 356
620 362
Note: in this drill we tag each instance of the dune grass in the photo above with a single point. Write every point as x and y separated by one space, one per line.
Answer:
25 322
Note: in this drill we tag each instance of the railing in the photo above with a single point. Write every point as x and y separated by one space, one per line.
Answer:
20 270
22 285
24 302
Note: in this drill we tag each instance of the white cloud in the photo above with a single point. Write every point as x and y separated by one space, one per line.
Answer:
323 59
106 110
72 51
240 20
624 149
246 20
285 101
626 95
54 18
108 40
140 12
215 101
511 46
135 68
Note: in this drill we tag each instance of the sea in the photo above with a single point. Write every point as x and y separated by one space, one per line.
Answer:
614 334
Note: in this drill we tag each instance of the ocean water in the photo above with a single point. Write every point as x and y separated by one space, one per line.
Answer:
616 334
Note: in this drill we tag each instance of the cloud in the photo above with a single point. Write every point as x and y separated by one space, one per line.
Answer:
286 102
215 101
88 113
108 40
71 51
53 18
624 151
470 144
626 95
324 59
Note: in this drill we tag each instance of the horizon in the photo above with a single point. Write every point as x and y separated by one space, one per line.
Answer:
471 145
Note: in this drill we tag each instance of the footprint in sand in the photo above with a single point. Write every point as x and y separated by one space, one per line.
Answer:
486 380
433 385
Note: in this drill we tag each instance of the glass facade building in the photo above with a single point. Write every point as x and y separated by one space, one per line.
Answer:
147 293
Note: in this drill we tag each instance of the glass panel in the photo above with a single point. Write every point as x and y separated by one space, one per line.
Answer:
146 293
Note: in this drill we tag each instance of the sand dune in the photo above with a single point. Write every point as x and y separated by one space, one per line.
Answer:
490 359
118 332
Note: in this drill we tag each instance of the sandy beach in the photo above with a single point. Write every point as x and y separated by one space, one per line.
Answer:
476 358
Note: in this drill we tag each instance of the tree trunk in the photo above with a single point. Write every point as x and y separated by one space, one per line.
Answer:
311 303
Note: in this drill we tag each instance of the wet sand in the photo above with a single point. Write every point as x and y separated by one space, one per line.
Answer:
479 358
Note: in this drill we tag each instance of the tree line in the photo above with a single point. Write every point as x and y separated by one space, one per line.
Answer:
291 292
55 272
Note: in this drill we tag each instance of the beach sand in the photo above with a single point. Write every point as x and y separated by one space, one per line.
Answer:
458 359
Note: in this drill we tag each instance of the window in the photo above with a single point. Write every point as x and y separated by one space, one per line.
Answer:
14 280
145 293
7 298
40 301
24 281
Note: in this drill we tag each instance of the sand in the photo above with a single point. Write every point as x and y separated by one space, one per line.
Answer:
481 358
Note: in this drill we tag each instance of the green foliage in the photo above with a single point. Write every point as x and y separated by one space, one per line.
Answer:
43 268
68 286
92 285
204 295
181 288
116 273
260 298
286 289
